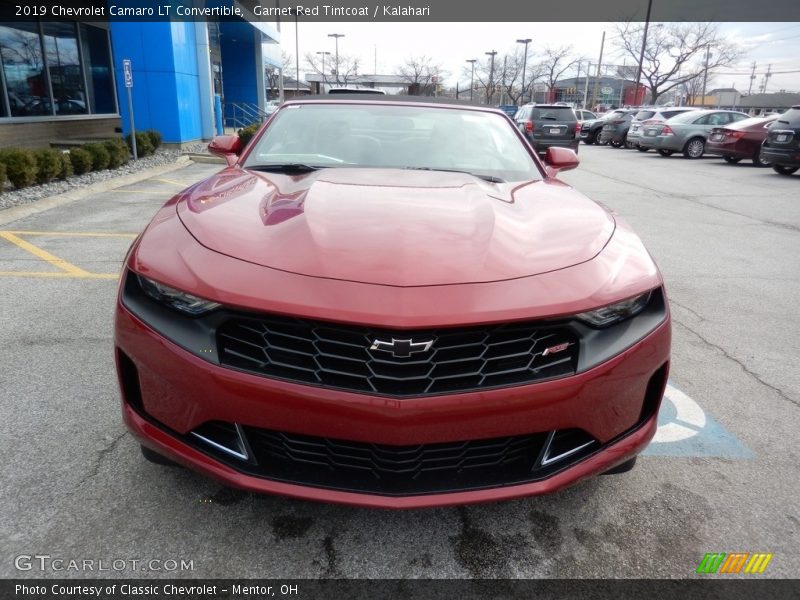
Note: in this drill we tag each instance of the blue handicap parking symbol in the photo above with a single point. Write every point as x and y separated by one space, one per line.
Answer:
685 429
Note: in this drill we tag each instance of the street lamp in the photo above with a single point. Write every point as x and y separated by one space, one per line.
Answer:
526 41
489 87
336 37
323 67
472 77
641 54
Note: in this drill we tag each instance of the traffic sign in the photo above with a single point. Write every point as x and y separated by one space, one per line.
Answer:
128 71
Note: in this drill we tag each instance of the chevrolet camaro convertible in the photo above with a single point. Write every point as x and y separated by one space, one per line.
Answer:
392 303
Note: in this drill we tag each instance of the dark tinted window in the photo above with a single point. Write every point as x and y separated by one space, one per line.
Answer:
644 114
552 113
790 117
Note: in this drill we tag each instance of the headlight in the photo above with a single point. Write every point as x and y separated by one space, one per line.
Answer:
180 301
614 313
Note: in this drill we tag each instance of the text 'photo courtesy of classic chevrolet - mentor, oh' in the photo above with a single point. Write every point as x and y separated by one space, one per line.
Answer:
395 303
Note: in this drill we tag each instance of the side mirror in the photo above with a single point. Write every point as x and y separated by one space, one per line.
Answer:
226 146
560 159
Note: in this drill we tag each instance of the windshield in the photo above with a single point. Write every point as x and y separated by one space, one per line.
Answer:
397 137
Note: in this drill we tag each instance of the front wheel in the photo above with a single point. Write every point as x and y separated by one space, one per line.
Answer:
759 160
694 148
665 152
731 160
784 170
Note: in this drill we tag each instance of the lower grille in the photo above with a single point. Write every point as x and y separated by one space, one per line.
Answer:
420 362
406 470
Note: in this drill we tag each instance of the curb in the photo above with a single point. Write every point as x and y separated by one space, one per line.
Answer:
15 213
206 158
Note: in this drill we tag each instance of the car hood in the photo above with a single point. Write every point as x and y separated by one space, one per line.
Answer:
395 227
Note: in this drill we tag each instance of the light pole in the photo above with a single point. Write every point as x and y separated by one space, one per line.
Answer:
641 53
323 68
526 41
336 37
490 87
472 77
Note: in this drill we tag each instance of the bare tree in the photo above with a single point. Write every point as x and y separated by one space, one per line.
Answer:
421 74
271 73
509 80
339 74
555 63
693 88
674 52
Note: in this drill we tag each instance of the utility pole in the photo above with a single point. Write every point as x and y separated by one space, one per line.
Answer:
641 53
765 81
472 77
586 86
622 85
280 69
490 87
323 69
336 37
705 73
503 93
752 78
599 64
526 41
296 55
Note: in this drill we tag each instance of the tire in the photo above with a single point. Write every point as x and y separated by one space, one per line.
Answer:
666 152
623 468
627 144
642 149
784 170
694 148
758 159
593 138
156 458
731 160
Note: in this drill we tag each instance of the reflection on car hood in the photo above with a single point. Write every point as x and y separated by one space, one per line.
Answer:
395 227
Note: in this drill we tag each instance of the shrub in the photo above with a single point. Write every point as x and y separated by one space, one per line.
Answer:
48 164
81 161
143 145
155 138
66 166
118 152
99 154
247 133
2 176
20 166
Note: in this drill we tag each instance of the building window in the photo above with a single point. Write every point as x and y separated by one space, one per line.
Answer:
23 68
55 68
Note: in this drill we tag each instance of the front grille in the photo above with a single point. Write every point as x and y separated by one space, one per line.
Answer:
401 470
342 356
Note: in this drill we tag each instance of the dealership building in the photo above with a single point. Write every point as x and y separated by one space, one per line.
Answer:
64 80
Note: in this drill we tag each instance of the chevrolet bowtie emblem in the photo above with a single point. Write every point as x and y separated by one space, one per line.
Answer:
401 348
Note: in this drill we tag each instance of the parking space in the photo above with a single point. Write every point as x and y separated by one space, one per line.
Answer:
718 477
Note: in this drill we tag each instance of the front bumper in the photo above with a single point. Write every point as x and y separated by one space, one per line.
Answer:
176 392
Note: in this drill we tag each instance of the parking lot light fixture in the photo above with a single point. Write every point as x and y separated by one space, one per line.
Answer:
526 41
472 77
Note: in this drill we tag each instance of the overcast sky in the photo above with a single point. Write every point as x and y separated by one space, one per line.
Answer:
451 44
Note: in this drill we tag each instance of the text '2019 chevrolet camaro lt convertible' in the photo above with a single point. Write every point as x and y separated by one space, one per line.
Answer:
391 303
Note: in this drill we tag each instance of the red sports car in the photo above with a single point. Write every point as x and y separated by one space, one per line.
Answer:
740 140
392 303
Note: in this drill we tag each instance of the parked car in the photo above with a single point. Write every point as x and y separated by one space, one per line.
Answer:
363 318
687 132
740 140
590 130
651 116
549 125
584 115
614 131
782 147
356 89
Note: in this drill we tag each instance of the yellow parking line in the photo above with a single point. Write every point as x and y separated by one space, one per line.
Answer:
44 255
171 181
59 274
73 233
138 192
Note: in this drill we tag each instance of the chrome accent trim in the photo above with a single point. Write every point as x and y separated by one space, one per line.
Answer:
243 454
547 459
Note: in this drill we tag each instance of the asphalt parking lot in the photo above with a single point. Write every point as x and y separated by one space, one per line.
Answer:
720 477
